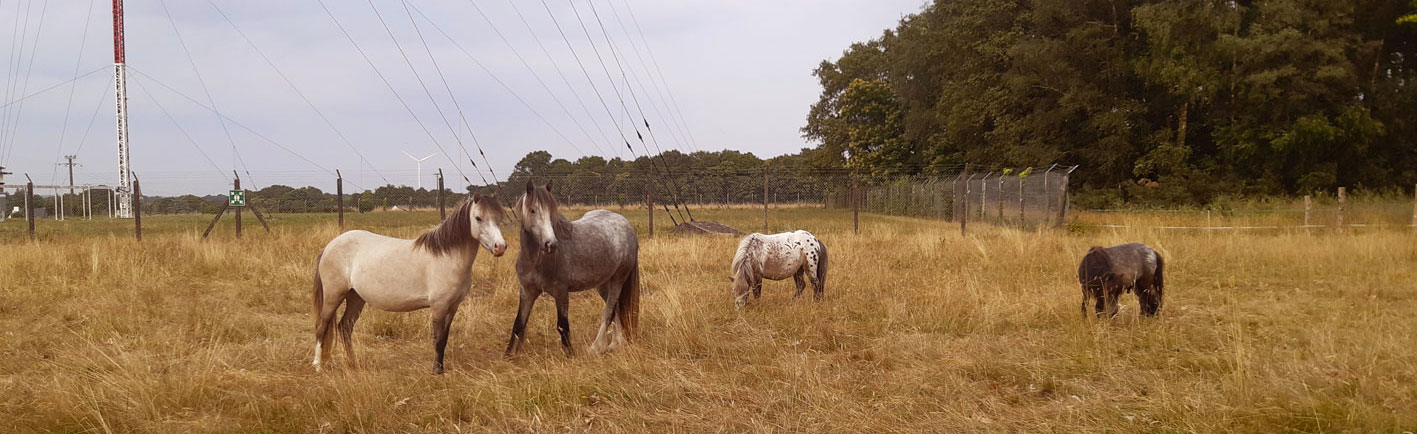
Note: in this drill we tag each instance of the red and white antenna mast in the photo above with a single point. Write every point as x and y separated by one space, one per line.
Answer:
120 71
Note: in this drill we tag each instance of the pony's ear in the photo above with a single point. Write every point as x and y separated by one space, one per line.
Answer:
476 198
529 186
548 185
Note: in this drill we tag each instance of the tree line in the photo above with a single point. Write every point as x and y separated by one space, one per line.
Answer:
699 178
1175 101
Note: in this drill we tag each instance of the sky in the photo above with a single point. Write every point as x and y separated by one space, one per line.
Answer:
307 87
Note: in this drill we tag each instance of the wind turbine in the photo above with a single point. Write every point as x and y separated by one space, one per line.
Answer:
419 161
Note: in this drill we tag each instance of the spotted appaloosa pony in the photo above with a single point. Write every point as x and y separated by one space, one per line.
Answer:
401 275
775 257
1106 273
558 257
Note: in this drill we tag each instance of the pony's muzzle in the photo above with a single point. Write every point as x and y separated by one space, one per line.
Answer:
549 246
499 249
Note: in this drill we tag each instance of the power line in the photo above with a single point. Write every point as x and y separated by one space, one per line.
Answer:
98 105
451 96
405 105
205 91
499 81
293 87
431 99
673 130
34 48
179 128
73 83
611 46
669 90
557 67
232 121
537 76
593 87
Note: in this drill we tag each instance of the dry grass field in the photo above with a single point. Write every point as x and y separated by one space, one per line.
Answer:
922 330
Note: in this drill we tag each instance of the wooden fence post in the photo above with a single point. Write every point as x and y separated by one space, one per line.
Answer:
1414 208
765 197
236 185
856 205
29 205
339 197
1308 209
137 209
1342 199
442 210
649 200
964 203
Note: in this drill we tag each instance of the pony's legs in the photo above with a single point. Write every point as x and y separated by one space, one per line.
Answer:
528 298
442 324
563 320
818 286
801 284
323 338
1113 296
603 341
353 305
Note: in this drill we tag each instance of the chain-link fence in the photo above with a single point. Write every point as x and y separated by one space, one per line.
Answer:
1008 196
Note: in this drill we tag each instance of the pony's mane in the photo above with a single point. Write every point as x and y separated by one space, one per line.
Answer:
455 232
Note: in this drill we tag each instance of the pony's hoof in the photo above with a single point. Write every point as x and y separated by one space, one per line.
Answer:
437 370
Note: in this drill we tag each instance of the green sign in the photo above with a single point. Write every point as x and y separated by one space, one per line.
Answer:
236 198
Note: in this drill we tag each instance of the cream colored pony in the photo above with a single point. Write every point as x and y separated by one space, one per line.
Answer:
777 257
399 275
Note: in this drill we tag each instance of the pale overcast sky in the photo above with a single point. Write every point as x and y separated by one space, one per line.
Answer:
739 70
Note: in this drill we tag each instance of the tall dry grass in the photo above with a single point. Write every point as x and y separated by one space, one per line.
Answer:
922 330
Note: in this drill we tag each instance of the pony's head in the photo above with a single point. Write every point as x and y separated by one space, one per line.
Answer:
1096 268
485 218
739 282
479 218
539 216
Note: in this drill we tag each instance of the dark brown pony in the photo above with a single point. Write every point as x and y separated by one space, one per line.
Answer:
558 257
1106 273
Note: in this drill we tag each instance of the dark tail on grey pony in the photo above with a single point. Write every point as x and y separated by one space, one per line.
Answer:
628 311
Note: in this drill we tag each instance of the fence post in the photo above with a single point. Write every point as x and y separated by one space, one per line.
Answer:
856 205
1063 199
964 204
765 197
1308 209
983 194
138 209
1414 208
442 210
1001 197
29 205
649 200
236 185
1020 199
1342 199
339 197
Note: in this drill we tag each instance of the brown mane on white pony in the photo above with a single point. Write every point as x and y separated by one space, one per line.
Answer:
455 232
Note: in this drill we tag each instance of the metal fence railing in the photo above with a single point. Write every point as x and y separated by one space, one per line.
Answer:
1007 196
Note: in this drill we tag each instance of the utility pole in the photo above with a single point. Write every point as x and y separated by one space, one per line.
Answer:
71 165
120 98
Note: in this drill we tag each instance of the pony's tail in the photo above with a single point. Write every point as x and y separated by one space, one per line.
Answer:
628 311
319 288
822 265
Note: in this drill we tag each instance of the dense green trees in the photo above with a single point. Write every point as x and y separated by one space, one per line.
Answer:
1207 96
